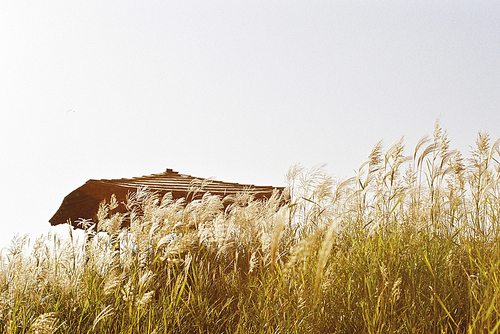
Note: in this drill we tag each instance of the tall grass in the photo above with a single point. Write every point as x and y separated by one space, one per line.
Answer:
408 245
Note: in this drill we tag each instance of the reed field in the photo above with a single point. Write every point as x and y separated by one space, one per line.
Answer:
408 245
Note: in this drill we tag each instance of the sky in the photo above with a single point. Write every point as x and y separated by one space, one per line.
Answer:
236 90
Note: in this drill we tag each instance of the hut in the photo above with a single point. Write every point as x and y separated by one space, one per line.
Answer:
83 203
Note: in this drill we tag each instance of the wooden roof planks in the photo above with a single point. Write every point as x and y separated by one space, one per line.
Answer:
83 202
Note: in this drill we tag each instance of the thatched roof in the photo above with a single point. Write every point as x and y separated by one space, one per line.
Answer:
83 202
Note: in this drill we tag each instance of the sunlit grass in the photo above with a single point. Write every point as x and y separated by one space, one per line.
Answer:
408 245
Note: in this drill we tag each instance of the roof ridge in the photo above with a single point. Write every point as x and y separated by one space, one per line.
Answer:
173 176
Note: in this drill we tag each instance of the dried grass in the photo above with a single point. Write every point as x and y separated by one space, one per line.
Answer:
410 244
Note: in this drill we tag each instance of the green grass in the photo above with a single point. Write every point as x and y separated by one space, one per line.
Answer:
408 245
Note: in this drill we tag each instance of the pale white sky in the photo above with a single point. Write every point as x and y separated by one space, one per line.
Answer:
238 90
